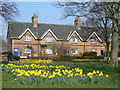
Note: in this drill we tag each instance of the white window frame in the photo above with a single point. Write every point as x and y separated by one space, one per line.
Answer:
74 40
48 39
27 38
49 51
27 50
93 50
93 41
74 53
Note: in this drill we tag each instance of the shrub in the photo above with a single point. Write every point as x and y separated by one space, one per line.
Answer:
118 54
11 57
64 58
89 57
90 54
99 57
87 60
15 57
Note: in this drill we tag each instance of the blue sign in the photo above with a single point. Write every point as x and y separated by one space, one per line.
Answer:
16 51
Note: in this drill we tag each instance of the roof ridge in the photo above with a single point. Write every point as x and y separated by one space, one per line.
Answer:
40 23
18 22
56 24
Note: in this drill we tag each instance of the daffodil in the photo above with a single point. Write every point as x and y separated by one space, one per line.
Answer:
107 75
90 76
15 79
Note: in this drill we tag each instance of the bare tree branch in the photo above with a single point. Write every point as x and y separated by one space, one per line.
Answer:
8 10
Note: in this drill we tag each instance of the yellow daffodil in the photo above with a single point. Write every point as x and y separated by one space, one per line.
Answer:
90 76
15 79
107 75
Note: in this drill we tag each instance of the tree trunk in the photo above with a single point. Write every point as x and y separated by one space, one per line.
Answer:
114 49
107 51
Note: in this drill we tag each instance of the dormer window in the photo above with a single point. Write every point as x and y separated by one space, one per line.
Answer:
74 40
48 39
27 38
93 41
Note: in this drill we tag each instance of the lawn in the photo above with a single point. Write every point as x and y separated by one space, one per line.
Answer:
110 82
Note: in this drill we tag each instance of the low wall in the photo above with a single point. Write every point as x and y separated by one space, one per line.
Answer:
4 57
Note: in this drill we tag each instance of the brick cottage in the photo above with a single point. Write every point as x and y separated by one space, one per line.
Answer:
37 39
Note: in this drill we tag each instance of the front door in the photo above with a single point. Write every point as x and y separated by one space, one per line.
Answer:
16 51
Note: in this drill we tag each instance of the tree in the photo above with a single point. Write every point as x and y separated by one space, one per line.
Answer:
8 10
113 12
100 20
4 45
110 9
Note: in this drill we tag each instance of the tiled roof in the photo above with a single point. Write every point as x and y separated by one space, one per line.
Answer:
15 29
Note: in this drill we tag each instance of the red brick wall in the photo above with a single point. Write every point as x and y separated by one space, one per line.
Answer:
21 44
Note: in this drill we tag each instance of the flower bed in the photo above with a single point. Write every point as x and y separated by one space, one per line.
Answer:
88 60
28 73
31 61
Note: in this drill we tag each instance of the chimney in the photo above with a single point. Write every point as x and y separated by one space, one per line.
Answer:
77 22
35 20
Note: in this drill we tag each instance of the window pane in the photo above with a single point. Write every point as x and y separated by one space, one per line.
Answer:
93 41
27 50
93 50
74 51
27 38
48 39
74 40
49 51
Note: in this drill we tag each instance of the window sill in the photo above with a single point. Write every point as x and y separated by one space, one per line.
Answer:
74 42
27 41
48 42
74 53
27 53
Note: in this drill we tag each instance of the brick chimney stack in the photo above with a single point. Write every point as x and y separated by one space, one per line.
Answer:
77 22
35 20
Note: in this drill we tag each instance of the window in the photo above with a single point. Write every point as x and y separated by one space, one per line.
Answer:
93 50
74 40
102 52
74 51
27 50
49 51
27 38
93 41
48 39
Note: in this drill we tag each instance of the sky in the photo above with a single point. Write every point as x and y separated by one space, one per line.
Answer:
46 12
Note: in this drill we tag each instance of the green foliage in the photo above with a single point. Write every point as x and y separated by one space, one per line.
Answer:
90 54
11 56
111 82
64 58
89 57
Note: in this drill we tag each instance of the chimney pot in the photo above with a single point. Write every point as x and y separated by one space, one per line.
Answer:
35 20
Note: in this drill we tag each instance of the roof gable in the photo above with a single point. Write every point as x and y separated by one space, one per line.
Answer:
74 32
94 33
49 31
25 32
